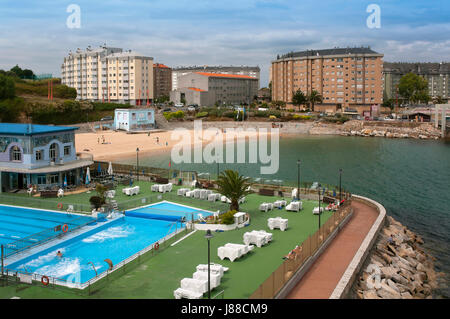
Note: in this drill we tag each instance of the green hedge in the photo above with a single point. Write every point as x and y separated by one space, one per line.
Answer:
173 115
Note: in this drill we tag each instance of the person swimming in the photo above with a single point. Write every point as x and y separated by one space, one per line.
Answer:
59 254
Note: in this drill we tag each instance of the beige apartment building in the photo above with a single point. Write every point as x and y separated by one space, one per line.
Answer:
345 77
109 75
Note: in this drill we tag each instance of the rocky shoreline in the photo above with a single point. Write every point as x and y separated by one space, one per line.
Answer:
397 267
390 130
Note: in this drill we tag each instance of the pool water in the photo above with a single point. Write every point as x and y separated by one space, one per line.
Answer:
116 241
18 223
167 209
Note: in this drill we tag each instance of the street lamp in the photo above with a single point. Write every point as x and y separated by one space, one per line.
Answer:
137 164
208 236
340 185
318 187
217 169
298 180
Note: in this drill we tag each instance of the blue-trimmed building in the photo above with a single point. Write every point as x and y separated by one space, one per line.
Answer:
134 119
41 155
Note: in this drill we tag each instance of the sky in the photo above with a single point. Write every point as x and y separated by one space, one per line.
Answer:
35 34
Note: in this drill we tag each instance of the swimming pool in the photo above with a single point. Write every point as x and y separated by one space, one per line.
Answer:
117 241
19 224
168 211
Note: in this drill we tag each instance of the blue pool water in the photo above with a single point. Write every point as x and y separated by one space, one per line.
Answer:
165 209
18 223
116 241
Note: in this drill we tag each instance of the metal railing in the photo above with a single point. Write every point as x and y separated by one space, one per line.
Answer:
273 284
36 202
44 236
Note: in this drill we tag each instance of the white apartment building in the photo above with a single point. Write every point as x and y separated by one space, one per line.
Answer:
109 74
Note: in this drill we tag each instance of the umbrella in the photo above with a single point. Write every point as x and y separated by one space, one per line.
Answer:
65 181
110 169
99 168
88 176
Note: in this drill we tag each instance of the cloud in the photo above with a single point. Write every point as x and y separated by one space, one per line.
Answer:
235 32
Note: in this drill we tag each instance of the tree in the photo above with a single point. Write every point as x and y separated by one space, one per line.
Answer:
313 98
17 70
233 186
7 87
388 103
413 88
299 98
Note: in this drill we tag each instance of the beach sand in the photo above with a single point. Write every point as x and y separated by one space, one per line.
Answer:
111 145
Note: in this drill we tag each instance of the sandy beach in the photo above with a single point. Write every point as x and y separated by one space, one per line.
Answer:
111 145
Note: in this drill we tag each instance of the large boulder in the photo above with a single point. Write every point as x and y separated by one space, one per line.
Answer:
388 272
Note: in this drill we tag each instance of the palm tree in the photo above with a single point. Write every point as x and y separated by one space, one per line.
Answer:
233 186
298 98
314 97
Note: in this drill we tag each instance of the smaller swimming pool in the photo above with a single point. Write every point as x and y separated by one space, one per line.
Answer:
168 211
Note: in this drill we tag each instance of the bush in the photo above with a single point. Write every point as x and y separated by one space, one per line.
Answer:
7 87
96 201
228 217
301 117
268 113
109 106
173 115
201 114
10 109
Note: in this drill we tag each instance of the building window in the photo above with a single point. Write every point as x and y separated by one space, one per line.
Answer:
66 150
53 179
53 152
16 154
39 155
41 179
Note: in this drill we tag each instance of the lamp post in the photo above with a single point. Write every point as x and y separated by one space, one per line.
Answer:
318 187
298 180
217 169
137 164
208 236
340 185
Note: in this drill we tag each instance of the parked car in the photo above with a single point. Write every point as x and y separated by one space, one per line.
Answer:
179 105
167 109
106 118
192 107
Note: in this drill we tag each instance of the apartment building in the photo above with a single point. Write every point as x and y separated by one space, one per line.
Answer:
436 74
162 80
109 75
345 77
252 71
209 89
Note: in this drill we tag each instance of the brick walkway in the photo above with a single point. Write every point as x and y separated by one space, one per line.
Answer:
323 276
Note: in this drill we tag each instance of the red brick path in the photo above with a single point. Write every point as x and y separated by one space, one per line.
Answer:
323 276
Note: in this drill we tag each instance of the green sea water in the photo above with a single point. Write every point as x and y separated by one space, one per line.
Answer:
410 178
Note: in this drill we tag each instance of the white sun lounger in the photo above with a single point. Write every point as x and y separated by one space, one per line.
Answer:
294 193
203 194
182 191
213 197
197 285
203 275
279 203
294 206
265 207
233 251
197 193
243 249
316 210
277 222
155 188
267 235
189 194
188 294
214 268
60 193
257 239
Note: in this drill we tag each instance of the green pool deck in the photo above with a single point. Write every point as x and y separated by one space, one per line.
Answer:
159 275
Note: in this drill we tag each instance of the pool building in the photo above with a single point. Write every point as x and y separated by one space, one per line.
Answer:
41 155
134 119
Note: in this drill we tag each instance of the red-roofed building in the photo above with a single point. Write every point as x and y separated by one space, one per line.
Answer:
162 80
209 89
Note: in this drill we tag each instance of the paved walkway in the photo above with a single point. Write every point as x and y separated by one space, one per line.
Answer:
324 275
